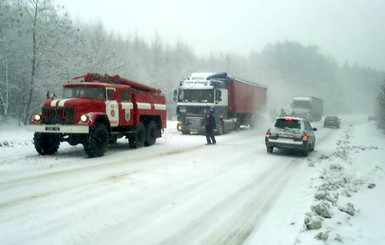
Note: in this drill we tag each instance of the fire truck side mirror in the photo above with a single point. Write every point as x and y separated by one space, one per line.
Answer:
50 95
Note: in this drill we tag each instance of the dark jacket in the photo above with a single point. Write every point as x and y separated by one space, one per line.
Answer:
210 123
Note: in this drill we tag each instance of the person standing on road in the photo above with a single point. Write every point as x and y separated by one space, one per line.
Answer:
209 127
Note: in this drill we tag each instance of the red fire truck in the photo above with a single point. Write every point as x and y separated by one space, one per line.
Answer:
96 110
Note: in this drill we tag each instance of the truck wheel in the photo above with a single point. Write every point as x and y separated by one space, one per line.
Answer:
138 139
46 144
220 130
150 134
185 132
97 141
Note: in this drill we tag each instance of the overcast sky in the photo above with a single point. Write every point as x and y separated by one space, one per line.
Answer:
348 30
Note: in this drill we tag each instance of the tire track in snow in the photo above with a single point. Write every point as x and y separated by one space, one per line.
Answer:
103 174
232 219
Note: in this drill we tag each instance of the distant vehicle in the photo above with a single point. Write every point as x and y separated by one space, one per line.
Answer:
310 108
234 102
291 133
372 117
332 121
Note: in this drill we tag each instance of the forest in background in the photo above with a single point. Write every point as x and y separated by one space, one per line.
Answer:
41 49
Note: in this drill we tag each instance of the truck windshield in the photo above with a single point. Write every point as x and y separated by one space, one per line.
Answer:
196 95
301 104
92 92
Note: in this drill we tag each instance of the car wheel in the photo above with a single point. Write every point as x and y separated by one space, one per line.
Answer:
312 146
305 152
270 149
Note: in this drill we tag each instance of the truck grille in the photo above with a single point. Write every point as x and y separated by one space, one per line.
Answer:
194 122
53 115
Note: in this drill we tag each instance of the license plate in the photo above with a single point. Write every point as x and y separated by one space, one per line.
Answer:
55 129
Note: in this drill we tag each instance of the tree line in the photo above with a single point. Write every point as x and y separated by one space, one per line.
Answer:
41 48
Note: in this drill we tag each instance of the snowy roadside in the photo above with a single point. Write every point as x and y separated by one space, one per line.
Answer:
349 190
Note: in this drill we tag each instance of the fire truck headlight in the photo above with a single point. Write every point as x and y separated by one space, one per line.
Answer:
36 117
84 118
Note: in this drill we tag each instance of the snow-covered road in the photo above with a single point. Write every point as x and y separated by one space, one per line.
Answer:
179 191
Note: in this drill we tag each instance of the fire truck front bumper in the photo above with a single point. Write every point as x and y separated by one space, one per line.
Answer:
63 129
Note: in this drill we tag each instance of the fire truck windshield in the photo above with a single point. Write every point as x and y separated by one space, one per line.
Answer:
92 92
196 95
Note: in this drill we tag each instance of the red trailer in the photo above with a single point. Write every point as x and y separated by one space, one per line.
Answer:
245 97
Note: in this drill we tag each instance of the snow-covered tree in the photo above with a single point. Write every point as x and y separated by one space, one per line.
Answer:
380 113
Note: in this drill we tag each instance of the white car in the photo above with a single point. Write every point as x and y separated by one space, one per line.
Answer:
291 133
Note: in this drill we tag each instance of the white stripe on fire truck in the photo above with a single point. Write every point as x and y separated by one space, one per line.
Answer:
128 105
61 102
160 107
53 103
146 106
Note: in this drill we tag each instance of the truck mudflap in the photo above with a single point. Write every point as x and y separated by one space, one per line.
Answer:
54 128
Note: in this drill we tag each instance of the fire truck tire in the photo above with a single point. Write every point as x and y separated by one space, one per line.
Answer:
112 139
151 132
97 141
46 144
138 139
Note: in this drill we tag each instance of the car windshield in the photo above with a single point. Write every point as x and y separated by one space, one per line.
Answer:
287 123
92 92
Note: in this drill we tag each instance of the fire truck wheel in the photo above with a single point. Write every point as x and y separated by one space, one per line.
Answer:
150 134
112 139
97 141
138 139
46 144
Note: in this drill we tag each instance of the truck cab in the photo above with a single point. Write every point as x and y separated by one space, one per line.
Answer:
195 96
308 107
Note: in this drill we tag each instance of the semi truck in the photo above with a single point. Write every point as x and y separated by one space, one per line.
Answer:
307 107
234 102
96 110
